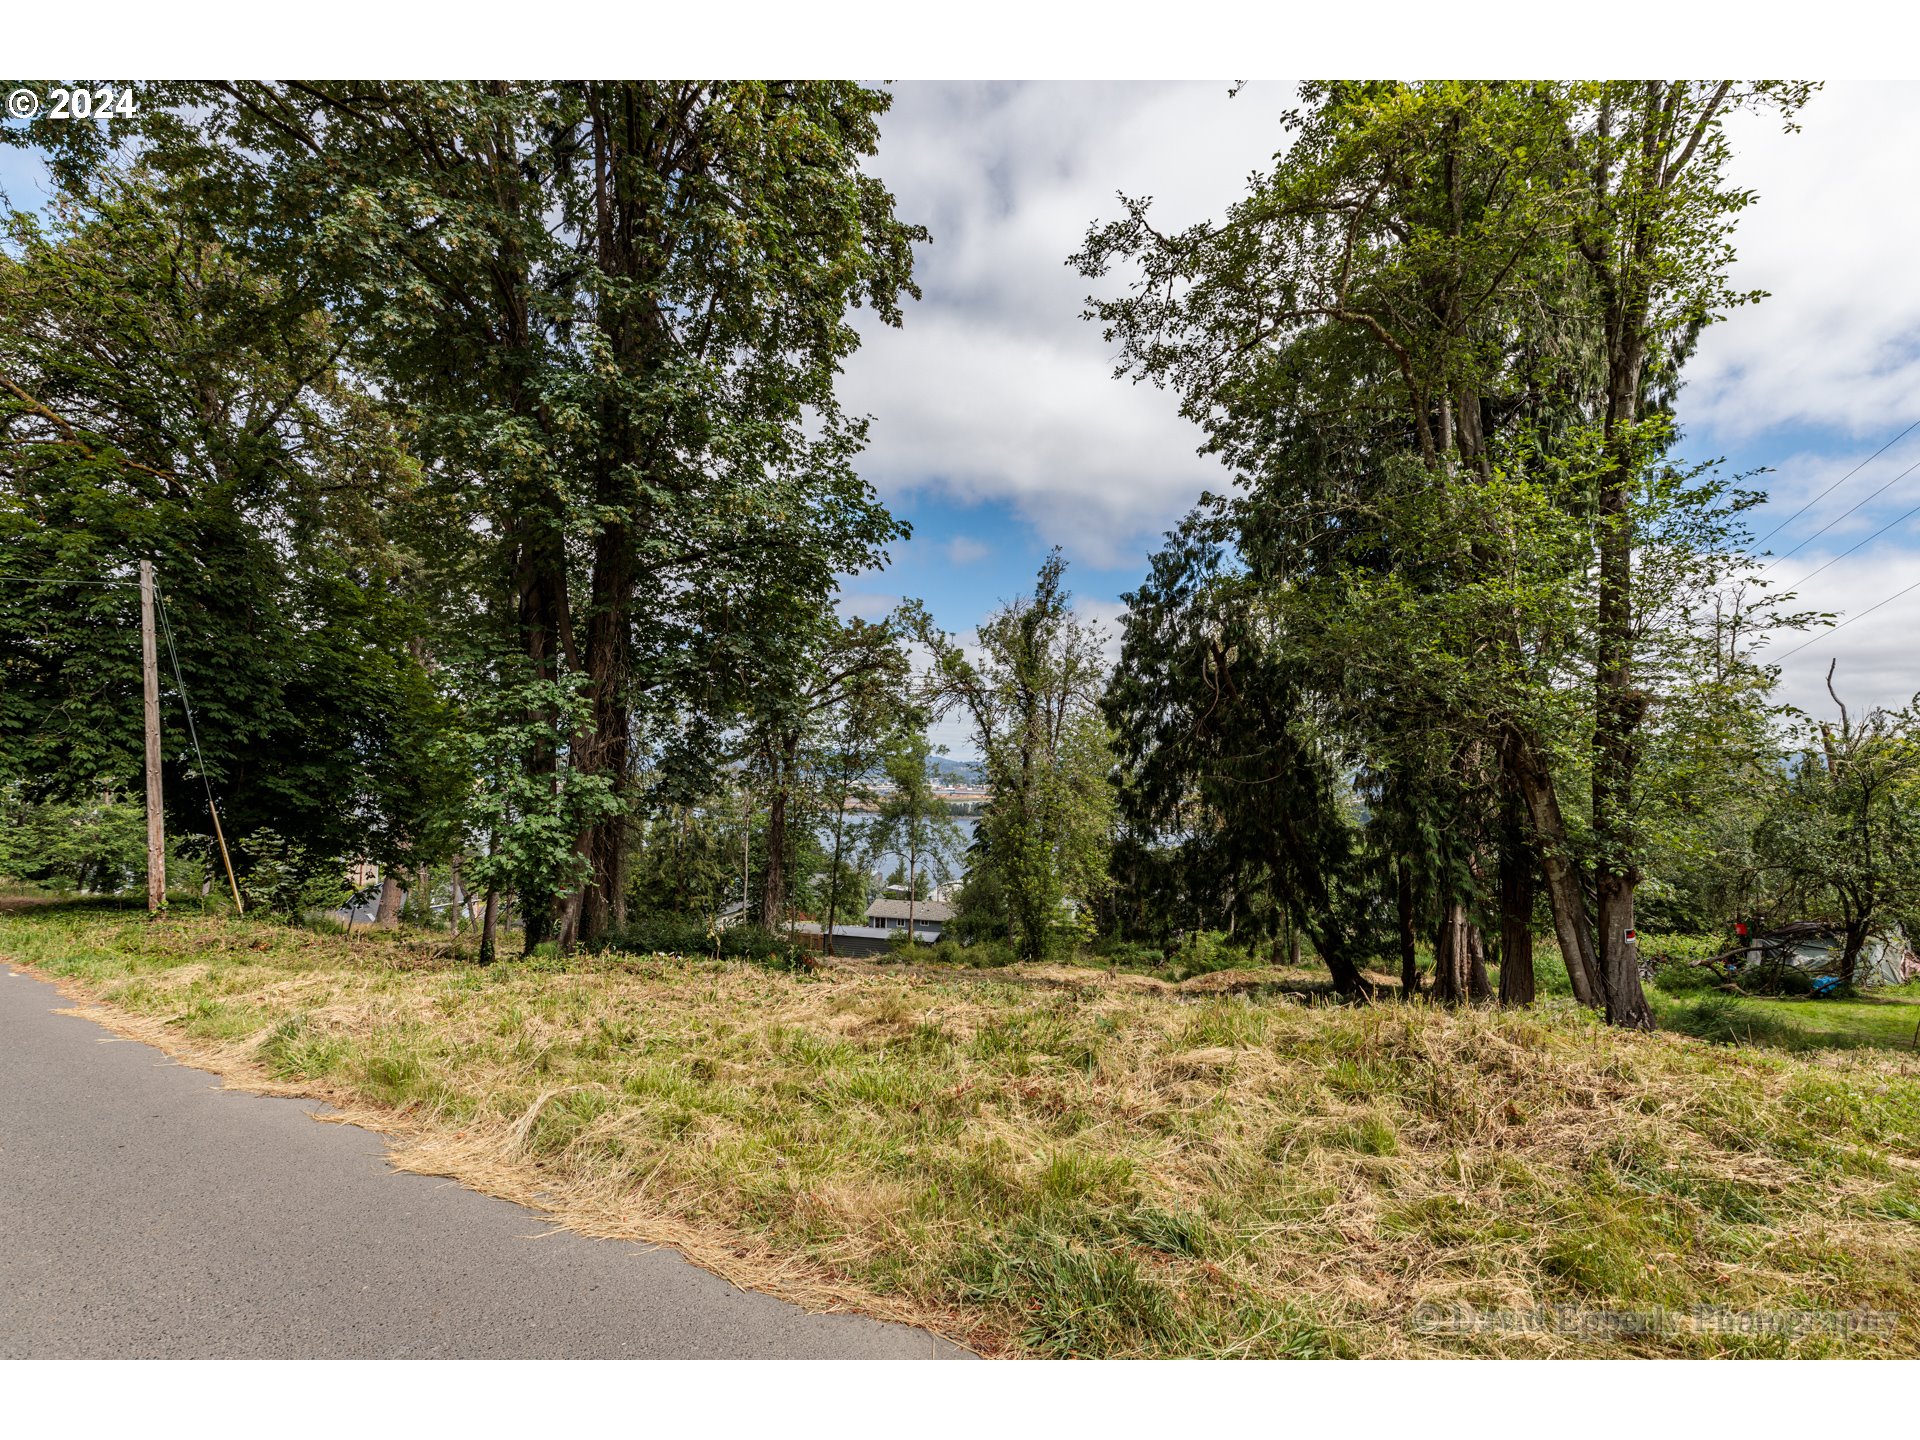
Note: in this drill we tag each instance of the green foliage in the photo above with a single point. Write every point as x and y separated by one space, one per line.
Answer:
686 860
1033 704
980 905
1437 343
977 954
98 847
1229 785
529 804
1840 833
1204 951
830 706
604 346
283 877
168 400
912 822
676 935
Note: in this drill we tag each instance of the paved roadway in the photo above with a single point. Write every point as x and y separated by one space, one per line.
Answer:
145 1212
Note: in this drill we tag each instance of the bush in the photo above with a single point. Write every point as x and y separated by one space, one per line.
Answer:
1672 948
98 847
1205 951
661 935
685 935
286 879
1689 979
981 954
1131 955
750 942
1673 960
1765 979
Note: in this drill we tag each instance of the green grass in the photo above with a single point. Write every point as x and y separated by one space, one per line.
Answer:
1691 1000
1070 1162
1884 1021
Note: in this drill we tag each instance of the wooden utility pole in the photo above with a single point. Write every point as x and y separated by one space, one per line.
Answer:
150 684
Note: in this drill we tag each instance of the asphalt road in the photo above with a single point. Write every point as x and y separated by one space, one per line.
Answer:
145 1212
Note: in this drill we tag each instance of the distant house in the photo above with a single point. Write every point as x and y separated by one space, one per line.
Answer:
929 916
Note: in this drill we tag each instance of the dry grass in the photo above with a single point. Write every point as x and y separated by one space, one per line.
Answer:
1059 1161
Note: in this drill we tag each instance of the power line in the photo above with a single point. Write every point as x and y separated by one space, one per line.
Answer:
1843 515
1868 541
1836 485
192 730
1848 621
166 629
213 810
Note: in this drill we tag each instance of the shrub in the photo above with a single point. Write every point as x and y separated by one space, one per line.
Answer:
686 935
1205 951
1673 948
981 954
285 878
1131 955
1689 979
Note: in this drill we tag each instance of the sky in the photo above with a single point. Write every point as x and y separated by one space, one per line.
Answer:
999 430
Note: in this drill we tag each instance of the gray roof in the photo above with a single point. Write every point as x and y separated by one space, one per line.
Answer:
931 912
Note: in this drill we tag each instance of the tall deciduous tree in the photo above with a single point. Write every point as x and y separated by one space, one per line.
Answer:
830 666
1655 231
1841 830
846 757
1417 278
163 398
1032 701
912 822
614 313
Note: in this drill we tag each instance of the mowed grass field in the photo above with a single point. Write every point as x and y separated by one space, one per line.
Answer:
1061 1161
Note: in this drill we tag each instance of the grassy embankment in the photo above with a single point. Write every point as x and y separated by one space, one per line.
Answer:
1070 1162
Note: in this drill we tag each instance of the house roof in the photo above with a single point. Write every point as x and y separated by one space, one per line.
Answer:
933 912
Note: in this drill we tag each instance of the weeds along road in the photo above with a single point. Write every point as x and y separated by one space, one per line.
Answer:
145 1212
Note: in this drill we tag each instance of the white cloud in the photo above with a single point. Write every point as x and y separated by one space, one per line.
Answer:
1831 237
864 604
1107 615
996 389
964 550
1875 654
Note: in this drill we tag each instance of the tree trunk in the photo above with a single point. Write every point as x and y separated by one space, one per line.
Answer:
1452 956
1620 968
913 856
1409 948
1617 712
1516 920
604 844
625 164
1566 896
387 916
1478 987
1618 705
1312 912
773 879
489 917
546 637
833 879
1850 956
